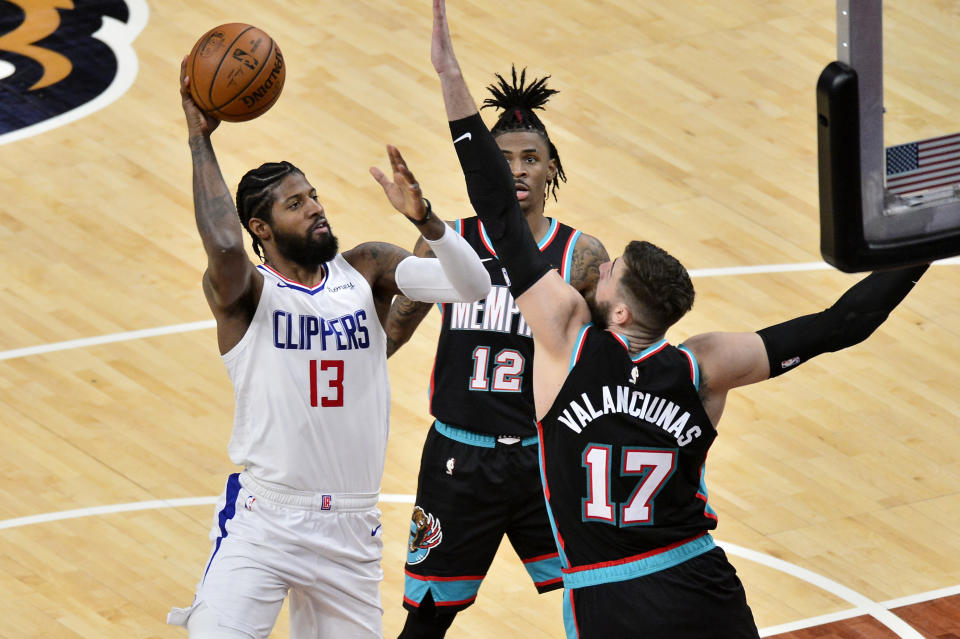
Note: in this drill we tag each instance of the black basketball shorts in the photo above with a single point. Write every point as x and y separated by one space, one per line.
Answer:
469 495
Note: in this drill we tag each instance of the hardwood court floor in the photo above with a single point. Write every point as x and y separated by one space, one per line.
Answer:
689 124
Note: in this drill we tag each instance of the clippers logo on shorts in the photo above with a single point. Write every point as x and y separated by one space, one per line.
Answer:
425 533
326 502
57 56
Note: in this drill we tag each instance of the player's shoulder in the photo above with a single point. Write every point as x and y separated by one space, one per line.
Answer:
372 250
588 254
587 243
374 258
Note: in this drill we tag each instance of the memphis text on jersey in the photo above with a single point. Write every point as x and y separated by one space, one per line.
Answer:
495 313
306 332
625 400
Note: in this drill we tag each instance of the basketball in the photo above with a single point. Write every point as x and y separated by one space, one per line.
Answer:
236 72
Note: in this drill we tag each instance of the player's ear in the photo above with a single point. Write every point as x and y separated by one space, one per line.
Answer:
551 169
260 228
620 315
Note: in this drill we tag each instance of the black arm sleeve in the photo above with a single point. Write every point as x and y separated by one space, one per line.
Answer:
850 321
492 193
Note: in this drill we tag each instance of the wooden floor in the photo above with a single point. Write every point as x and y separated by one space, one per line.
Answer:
686 123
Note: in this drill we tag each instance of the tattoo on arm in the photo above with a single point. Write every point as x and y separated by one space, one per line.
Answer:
215 212
588 255
405 316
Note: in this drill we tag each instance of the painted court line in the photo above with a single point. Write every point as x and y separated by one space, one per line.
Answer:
862 605
106 339
196 326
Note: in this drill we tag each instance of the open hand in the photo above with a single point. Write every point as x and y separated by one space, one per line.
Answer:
404 192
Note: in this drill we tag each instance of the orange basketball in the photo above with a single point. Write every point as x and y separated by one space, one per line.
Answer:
236 72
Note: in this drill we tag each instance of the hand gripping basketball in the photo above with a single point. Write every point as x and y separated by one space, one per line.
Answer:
236 72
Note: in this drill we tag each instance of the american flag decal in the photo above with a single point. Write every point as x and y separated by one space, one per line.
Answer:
923 165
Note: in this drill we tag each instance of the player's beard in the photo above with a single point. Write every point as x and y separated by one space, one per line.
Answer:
305 250
599 312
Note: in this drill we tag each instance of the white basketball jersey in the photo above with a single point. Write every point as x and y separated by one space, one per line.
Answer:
311 387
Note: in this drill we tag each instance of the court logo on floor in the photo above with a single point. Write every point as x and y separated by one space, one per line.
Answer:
425 533
63 59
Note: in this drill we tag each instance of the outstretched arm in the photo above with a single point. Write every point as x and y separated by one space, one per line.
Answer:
230 283
456 275
729 360
553 309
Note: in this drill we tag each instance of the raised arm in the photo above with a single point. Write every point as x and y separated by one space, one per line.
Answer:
231 283
729 360
456 275
553 309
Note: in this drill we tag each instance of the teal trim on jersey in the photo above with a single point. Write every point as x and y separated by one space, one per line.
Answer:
544 570
604 574
553 524
648 350
568 258
694 364
458 227
569 623
471 438
547 237
708 509
448 591
577 345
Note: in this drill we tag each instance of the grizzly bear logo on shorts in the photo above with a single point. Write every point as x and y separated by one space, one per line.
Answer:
425 533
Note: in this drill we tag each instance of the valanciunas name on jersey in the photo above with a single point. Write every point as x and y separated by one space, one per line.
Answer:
623 399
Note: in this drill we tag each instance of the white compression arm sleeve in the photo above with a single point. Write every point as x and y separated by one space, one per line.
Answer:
456 275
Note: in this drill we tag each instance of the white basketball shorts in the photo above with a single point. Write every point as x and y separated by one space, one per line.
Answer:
324 550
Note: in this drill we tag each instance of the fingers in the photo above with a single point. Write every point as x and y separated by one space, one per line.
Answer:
396 160
184 80
379 177
401 173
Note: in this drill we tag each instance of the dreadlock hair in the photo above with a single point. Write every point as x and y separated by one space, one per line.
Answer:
518 103
658 282
255 195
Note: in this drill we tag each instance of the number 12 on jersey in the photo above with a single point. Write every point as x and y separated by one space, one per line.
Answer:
507 375
652 467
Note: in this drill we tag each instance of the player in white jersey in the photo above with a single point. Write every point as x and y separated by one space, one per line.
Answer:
302 338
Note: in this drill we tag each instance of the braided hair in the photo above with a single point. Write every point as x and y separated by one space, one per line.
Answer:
255 195
518 103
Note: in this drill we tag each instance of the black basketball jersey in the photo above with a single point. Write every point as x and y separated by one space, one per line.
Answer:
482 376
623 451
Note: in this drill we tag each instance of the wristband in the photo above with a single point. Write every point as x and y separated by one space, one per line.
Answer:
427 217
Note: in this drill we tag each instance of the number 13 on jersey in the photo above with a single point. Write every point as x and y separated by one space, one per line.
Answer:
331 372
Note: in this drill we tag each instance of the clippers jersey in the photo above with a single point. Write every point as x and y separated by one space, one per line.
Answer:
623 450
483 372
310 381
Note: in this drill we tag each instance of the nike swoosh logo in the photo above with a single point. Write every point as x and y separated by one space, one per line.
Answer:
486 259
373 533
466 136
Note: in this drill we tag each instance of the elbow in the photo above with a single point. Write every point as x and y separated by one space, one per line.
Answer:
477 288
